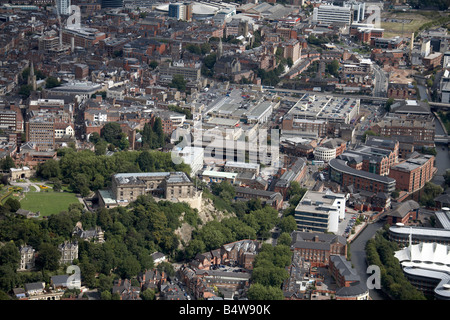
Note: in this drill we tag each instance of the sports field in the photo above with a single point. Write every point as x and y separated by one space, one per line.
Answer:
48 203
396 23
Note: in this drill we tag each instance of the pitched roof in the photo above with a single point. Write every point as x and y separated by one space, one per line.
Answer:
403 209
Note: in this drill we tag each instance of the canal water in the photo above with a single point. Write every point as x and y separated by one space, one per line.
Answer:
442 158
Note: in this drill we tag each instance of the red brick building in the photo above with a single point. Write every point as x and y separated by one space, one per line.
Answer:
404 212
317 248
412 174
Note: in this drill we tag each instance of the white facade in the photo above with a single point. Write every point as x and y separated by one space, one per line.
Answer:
192 156
425 48
445 98
320 211
446 59
60 132
324 154
332 14
62 6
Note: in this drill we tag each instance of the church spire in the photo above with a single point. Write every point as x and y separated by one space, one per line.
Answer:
32 77
219 50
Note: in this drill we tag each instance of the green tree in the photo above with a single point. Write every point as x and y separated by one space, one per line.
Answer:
25 91
52 82
49 169
101 147
389 103
288 224
258 291
148 294
8 278
333 67
368 133
112 133
284 239
129 267
167 267
94 137
9 255
106 295
48 257
178 82
7 163
12 204
153 64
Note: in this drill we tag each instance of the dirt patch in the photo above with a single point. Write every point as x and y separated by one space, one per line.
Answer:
400 75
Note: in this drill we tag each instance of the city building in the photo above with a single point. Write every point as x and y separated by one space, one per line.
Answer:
332 14
412 174
126 187
112 3
320 211
328 108
27 258
274 199
351 286
403 234
403 213
318 247
40 131
192 156
181 11
189 71
69 252
420 127
371 159
62 7
238 167
425 265
218 176
358 180
324 154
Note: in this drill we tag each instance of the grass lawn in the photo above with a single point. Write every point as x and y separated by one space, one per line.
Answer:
48 203
392 29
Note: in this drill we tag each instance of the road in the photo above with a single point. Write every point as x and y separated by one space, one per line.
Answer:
358 256
380 82
26 185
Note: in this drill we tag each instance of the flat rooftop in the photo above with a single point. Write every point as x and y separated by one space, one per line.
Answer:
315 107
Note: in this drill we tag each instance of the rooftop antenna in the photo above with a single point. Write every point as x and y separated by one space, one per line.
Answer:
410 244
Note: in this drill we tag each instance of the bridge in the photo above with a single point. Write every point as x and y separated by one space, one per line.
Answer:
441 139
363 98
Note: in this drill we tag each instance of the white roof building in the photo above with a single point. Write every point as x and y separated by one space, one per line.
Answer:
429 261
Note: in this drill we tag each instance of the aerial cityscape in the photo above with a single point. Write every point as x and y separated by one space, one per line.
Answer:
224 150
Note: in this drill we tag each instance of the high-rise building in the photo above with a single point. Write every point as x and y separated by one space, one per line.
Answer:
62 6
178 11
333 14
112 3
41 132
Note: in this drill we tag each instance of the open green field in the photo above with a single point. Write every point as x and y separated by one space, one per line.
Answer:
413 21
48 203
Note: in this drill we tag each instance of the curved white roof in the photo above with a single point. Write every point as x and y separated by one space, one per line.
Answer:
197 9
428 260
435 255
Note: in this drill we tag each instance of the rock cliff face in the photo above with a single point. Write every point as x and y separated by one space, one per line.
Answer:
207 213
